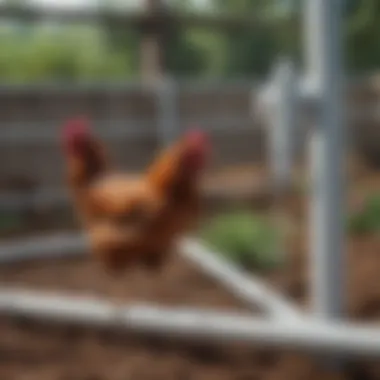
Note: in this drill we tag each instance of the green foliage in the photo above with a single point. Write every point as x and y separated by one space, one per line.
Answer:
247 239
34 52
367 220
362 34
55 54
183 56
256 7
251 55
210 47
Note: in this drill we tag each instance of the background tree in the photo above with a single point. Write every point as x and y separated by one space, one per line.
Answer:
33 52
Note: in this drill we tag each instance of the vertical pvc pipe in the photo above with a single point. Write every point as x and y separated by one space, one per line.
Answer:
283 124
282 128
324 55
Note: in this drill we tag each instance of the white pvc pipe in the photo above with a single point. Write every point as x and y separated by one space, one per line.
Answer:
306 93
42 247
326 338
282 127
245 287
323 40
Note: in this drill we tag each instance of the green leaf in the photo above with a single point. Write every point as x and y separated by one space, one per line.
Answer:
367 220
245 238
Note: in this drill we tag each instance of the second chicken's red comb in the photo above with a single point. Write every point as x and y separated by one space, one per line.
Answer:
76 132
197 148
74 128
196 137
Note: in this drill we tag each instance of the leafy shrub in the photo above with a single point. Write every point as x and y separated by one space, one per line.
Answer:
367 220
61 54
245 238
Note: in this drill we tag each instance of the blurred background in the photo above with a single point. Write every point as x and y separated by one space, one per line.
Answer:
145 71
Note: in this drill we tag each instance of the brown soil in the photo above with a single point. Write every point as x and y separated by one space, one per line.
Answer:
49 352
178 283
45 352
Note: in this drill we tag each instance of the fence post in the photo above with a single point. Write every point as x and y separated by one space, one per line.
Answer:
323 39
168 118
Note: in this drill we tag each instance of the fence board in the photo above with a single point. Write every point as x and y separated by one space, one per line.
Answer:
31 118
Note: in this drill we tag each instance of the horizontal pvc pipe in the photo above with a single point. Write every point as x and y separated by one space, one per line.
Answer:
42 247
244 286
342 339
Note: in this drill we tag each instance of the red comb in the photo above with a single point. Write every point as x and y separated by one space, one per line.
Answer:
76 133
75 128
196 137
198 148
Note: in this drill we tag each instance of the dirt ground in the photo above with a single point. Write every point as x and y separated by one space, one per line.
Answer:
31 352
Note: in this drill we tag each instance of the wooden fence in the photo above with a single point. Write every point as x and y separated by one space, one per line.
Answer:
129 119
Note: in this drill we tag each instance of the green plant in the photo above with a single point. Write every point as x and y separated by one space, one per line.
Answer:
245 238
367 220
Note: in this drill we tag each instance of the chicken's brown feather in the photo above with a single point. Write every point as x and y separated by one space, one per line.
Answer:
166 198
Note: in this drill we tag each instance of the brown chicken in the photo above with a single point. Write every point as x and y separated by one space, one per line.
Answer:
134 219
